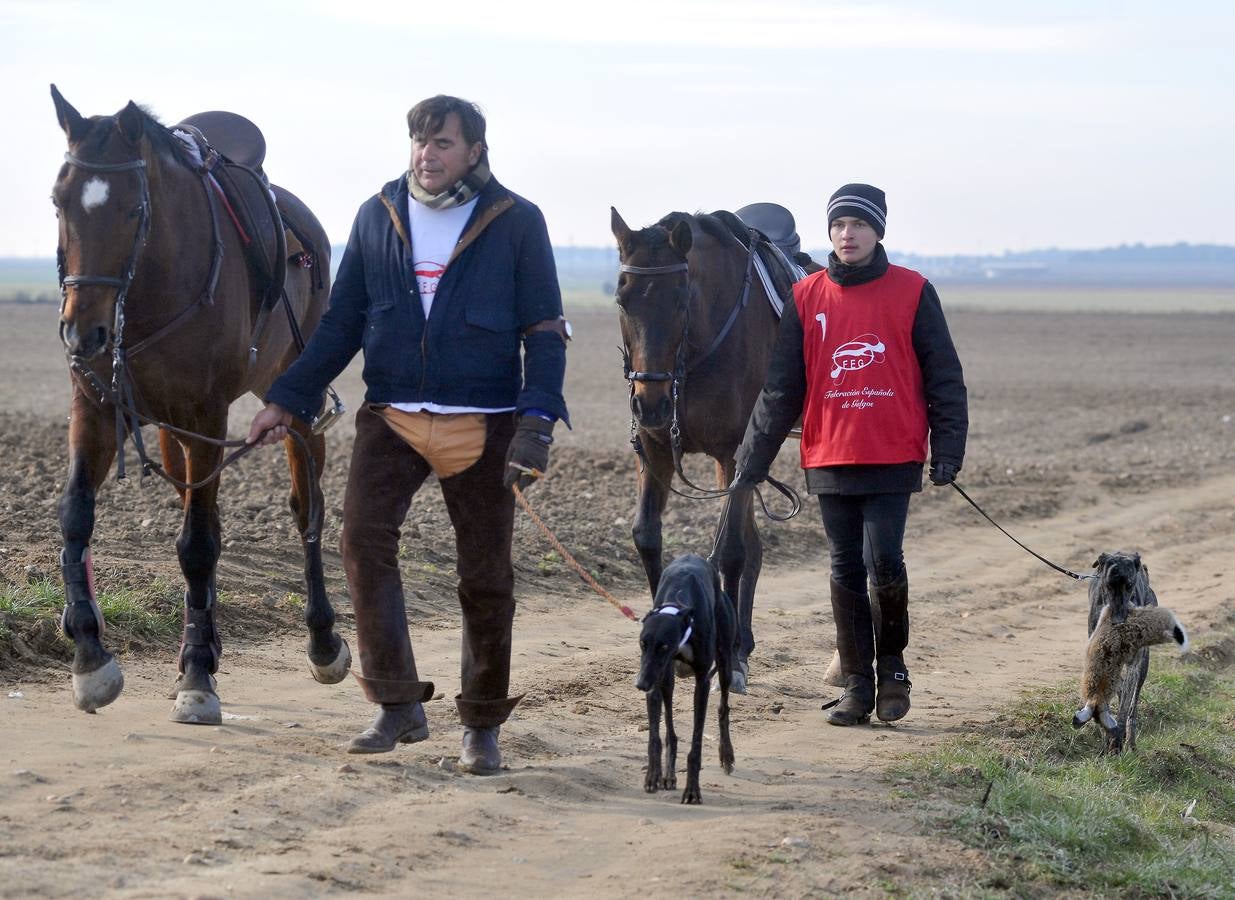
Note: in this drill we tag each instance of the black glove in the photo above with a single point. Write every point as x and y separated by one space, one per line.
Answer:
744 480
943 472
528 455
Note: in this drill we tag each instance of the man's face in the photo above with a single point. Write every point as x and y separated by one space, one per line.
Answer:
853 239
439 160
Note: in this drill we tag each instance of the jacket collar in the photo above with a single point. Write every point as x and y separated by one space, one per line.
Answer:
491 202
849 276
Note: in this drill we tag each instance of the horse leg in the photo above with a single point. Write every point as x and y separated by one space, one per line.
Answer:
97 679
738 557
174 463
329 656
198 547
654 479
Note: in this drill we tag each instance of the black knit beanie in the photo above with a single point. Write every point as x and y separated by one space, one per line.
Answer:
863 201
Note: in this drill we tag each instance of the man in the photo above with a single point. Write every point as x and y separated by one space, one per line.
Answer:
865 356
445 274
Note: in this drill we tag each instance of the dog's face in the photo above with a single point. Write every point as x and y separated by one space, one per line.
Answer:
658 644
1122 580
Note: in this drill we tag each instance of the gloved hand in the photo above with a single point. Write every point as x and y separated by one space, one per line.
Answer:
528 455
743 480
943 472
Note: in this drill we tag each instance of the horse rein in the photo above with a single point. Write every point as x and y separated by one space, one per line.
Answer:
121 395
678 377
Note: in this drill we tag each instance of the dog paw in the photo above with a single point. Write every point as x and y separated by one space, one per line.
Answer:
726 763
691 796
651 783
669 783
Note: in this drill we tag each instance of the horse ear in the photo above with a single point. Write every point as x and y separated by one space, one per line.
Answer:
620 230
680 239
70 120
130 122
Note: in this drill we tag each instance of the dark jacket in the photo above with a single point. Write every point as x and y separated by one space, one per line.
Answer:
784 392
500 281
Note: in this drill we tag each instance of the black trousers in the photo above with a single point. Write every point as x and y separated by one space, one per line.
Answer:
866 534
385 474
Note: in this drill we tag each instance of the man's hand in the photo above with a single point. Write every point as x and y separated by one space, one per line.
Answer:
528 456
269 426
743 480
943 473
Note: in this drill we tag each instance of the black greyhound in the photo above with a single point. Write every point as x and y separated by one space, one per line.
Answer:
691 628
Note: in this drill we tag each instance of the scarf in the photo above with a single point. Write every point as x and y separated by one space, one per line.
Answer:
457 194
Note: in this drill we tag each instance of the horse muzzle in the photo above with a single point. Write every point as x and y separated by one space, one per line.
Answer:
651 412
87 343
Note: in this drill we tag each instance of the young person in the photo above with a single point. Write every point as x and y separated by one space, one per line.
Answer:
865 357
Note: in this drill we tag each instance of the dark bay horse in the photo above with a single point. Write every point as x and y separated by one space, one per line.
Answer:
156 287
697 334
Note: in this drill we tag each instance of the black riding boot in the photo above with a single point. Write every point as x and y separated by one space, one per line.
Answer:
855 641
891 602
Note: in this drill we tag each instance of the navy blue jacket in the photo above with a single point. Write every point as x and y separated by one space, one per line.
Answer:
500 280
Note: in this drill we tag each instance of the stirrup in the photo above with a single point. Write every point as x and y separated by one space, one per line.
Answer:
331 415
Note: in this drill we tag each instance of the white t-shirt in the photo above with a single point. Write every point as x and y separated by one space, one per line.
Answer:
435 232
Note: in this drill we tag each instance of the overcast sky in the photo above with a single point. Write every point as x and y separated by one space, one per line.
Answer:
992 127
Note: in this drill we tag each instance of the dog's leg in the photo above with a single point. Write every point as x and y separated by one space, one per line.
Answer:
1135 680
725 628
651 781
669 775
694 759
726 744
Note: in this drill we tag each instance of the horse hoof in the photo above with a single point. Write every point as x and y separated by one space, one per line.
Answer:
834 676
179 682
737 683
197 708
334 672
98 688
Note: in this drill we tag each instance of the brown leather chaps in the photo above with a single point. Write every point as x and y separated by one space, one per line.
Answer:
385 474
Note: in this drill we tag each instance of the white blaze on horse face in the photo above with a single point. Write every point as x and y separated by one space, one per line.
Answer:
94 193
822 319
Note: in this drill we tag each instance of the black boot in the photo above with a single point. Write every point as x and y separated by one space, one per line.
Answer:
396 723
891 637
855 641
481 755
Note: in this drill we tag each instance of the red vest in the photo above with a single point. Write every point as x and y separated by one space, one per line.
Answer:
864 398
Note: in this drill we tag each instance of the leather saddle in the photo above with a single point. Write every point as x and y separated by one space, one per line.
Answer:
233 149
775 223
772 230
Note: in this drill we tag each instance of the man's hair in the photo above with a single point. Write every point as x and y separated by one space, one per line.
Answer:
427 117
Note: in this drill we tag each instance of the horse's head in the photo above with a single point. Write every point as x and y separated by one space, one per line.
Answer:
103 206
653 298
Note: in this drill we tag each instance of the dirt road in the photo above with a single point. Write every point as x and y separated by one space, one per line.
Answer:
1089 433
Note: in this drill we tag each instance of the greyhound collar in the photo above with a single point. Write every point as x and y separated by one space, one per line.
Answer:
674 611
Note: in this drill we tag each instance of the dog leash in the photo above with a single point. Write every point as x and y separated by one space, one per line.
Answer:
1061 569
566 555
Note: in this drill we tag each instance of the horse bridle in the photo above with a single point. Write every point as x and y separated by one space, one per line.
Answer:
678 377
121 284
121 395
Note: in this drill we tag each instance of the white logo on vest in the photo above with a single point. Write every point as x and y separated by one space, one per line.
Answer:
852 356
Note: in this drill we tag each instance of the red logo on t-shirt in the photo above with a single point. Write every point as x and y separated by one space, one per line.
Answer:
428 274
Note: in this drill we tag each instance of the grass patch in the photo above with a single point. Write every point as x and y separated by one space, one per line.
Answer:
152 614
1053 814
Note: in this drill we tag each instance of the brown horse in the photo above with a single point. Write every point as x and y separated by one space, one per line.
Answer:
697 331
155 273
